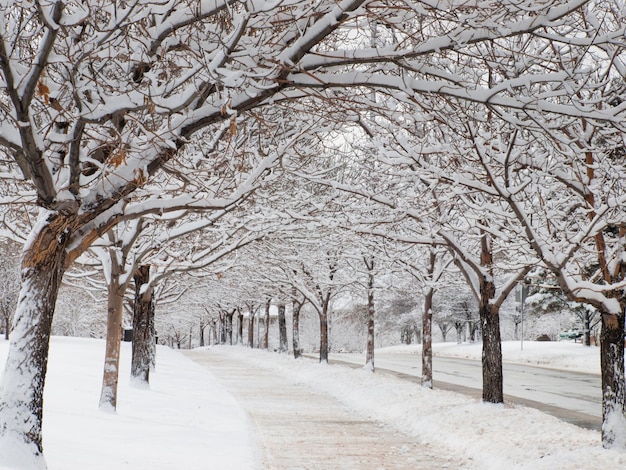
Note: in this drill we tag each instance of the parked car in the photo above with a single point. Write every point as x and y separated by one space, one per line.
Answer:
571 335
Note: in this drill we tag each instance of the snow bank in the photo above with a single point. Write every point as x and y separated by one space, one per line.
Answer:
183 420
551 354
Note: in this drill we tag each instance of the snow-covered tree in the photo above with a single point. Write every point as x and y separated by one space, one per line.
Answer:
99 98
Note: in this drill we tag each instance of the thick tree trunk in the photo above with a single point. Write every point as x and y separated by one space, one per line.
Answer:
229 326
266 335
371 310
214 329
427 340
7 327
587 329
324 329
492 345
110 376
295 329
222 328
459 332
240 328
143 327
613 380
251 329
22 384
282 330
323 338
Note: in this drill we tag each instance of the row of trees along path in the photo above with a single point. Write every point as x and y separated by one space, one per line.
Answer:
494 132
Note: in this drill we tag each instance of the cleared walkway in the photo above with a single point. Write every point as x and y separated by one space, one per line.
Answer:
298 428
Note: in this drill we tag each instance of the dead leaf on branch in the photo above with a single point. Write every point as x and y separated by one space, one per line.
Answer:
118 158
43 90
140 178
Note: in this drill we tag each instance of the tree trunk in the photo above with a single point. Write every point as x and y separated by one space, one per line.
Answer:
110 376
371 310
202 327
613 379
282 330
587 328
229 326
492 346
324 329
295 329
427 340
143 327
7 327
250 331
22 385
218 330
240 328
458 326
266 335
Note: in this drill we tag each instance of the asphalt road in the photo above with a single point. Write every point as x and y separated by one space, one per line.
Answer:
572 396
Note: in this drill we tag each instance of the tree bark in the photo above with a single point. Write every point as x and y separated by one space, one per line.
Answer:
240 327
22 384
295 329
251 328
371 334
587 328
222 327
492 346
143 327
613 379
229 326
282 330
427 340
324 329
266 335
110 376
371 310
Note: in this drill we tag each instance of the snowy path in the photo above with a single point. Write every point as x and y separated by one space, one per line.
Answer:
299 428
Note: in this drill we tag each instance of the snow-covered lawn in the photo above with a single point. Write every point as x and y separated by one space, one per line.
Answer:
556 355
186 420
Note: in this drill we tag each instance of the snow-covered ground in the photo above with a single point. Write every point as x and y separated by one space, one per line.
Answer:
186 420
555 355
